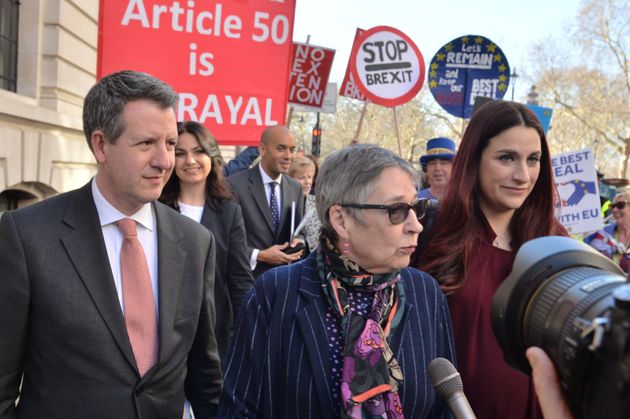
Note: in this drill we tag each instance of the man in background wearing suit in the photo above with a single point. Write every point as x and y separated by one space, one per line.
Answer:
106 304
266 198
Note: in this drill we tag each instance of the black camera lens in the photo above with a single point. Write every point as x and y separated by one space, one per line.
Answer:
561 296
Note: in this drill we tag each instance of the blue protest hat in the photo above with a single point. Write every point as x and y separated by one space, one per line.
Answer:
439 148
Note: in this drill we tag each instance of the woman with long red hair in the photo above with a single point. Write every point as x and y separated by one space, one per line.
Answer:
500 195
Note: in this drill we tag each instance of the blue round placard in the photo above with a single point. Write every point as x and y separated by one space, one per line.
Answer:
465 68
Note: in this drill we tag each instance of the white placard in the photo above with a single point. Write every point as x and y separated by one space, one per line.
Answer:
576 179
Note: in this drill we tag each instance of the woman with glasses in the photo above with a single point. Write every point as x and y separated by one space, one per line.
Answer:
350 330
500 195
198 190
613 241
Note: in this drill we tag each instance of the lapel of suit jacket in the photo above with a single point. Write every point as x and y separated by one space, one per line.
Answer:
170 269
257 189
85 246
310 320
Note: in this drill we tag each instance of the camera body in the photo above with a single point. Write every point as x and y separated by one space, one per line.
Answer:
573 302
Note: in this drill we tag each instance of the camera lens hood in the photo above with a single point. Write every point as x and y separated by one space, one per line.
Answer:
536 262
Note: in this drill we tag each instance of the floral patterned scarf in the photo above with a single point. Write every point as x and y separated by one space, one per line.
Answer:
371 375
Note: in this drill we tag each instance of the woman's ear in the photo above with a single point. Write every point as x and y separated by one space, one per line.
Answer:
339 220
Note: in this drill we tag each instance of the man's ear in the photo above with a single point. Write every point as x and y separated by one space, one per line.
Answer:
261 150
99 143
339 220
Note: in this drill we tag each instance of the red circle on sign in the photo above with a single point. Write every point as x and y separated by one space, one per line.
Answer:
387 101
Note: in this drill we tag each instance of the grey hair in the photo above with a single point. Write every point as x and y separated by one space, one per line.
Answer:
349 176
104 103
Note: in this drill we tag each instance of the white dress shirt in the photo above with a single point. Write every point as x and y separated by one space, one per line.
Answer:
147 234
266 181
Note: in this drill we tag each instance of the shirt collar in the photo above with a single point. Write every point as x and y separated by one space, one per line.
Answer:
268 179
108 214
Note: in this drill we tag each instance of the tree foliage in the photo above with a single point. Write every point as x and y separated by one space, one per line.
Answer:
589 91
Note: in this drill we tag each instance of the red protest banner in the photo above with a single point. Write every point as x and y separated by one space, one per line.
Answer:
309 74
348 86
212 53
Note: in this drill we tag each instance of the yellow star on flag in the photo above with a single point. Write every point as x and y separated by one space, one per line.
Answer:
433 73
491 47
502 68
498 57
434 66
439 57
465 40
502 77
432 84
502 86
478 40
448 47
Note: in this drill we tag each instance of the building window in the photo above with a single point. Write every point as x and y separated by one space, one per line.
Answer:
9 17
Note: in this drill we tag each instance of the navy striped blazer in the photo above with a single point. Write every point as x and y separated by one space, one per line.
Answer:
278 365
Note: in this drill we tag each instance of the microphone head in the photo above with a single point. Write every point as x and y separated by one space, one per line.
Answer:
445 378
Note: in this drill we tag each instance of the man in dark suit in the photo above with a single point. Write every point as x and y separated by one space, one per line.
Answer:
106 308
264 187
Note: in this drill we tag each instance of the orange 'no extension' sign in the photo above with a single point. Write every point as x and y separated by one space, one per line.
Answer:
228 60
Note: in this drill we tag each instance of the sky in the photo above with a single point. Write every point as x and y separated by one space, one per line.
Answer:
512 25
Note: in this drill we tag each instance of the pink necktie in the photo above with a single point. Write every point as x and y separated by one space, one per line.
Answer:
139 303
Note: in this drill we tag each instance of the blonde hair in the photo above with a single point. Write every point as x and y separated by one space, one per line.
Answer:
623 192
299 165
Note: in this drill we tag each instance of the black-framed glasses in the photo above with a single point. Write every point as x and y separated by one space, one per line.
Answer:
399 211
619 205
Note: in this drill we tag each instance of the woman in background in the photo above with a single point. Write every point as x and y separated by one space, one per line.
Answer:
500 195
613 241
197 189
302 169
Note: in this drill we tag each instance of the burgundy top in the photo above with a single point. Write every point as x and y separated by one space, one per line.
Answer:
494 389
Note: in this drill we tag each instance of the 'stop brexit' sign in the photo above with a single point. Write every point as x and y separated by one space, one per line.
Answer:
387 66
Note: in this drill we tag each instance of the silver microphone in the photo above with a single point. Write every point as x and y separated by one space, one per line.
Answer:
448 384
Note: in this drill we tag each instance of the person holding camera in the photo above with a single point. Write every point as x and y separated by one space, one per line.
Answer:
501 194
547 385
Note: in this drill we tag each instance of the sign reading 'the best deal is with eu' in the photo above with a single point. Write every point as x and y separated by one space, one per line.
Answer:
576 179
465 68
216 54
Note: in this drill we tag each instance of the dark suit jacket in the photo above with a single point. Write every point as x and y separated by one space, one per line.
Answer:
61 324
279 362
233 274
249 192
